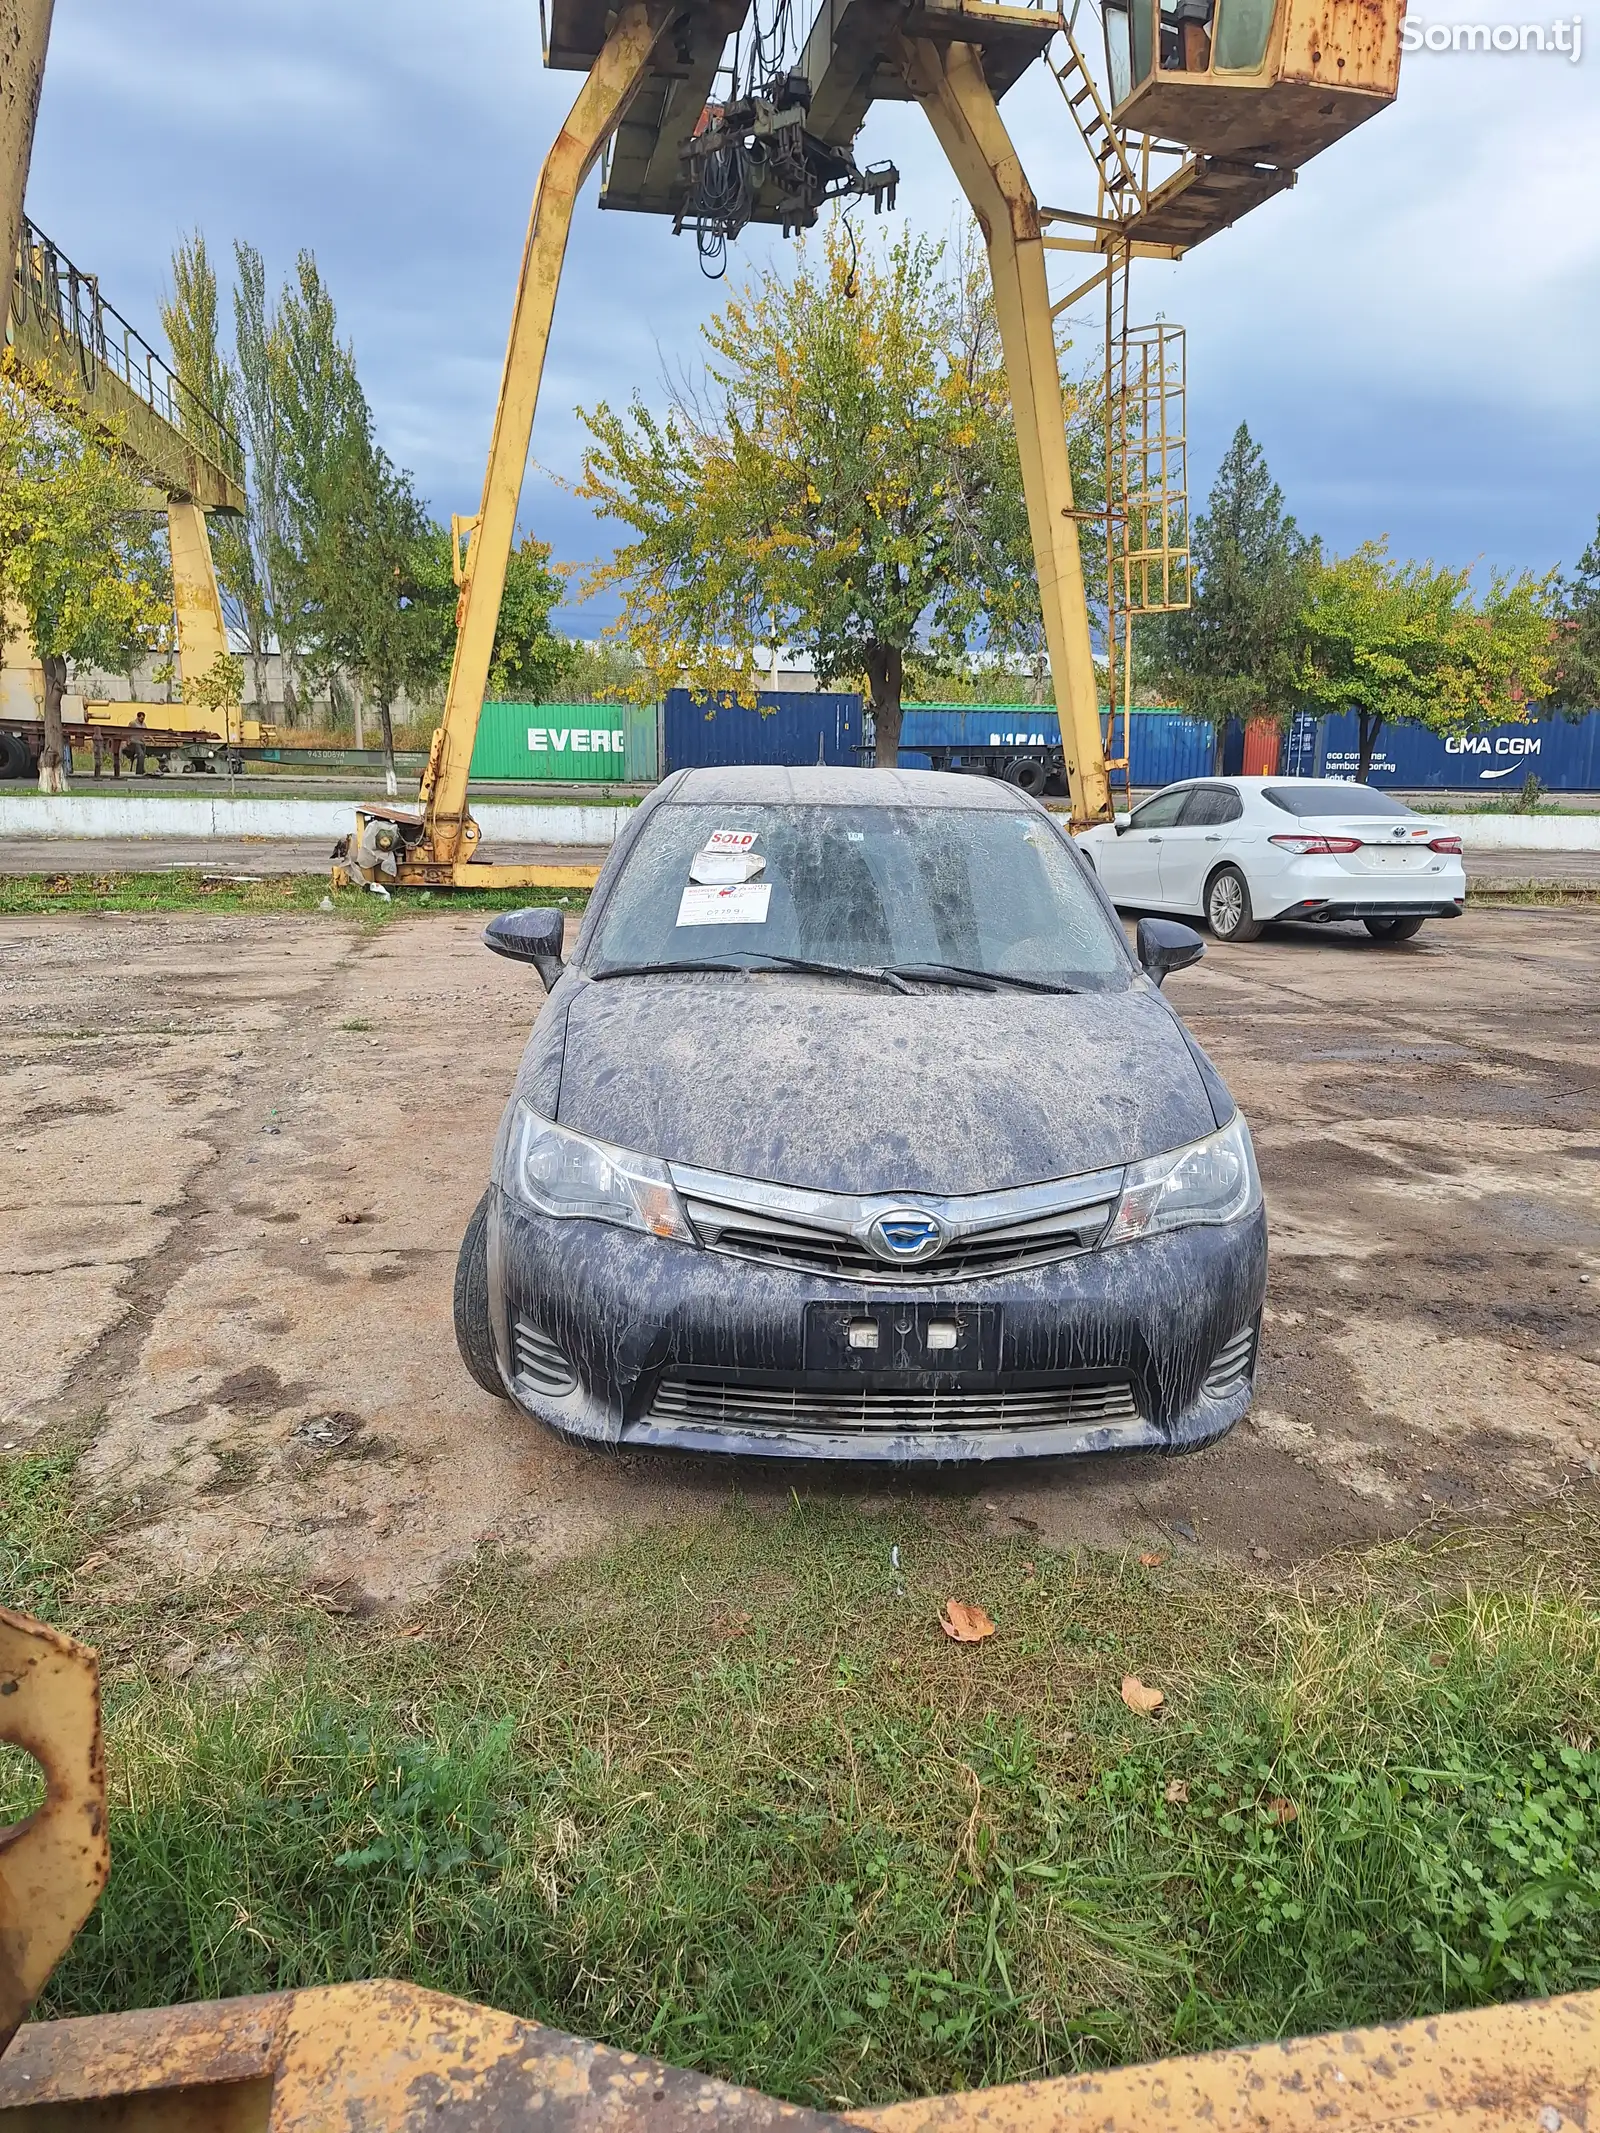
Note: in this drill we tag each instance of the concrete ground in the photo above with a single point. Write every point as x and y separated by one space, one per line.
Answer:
260 855
239 1154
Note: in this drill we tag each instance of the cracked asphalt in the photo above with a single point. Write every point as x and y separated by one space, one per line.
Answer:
238 1154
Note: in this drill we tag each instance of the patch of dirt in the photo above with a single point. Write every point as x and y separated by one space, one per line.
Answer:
272 1384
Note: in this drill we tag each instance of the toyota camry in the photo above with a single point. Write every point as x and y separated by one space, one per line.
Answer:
852 1128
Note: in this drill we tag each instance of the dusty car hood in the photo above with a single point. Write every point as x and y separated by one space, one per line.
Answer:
823 1086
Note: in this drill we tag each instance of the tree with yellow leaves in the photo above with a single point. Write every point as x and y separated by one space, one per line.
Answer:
1410 642
77 555
844 479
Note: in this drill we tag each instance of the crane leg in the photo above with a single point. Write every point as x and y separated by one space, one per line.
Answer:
202 633
440 855
949 83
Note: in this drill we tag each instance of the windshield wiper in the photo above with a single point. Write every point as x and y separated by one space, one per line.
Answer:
875 975
978 980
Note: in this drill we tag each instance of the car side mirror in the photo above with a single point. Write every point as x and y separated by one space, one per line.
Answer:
1120 822
1164 945
530 937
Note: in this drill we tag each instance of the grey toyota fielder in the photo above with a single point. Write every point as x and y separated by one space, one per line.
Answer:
852 1129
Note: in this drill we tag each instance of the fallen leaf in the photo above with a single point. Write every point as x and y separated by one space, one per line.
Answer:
1138 1698
1177 1793
1152 1559
732 1623
416 1630
1029 1570
1438 1659
1281 1811
964 1624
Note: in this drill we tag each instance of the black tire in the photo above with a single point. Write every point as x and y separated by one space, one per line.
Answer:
474 1336
16 761
1228 911
1026 773
1394 929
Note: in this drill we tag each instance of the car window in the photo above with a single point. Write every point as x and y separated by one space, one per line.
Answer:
987 889
1333 800
1209 805
1163 811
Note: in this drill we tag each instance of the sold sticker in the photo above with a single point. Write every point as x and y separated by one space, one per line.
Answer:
739 904
730 840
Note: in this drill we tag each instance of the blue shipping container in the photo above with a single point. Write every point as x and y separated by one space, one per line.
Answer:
789 728
1564 754
1166 745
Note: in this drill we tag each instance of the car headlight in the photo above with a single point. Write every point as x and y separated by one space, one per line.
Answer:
561 1173
1211 1181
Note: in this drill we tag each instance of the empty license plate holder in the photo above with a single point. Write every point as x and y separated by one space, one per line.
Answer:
903 1348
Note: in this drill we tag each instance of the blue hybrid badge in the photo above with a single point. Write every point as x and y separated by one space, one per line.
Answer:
905 1235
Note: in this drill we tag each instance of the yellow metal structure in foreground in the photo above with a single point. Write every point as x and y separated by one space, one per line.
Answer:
364 2057
54 1865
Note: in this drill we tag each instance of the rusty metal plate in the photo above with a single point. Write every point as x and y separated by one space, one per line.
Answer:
354 2058
1533 2067
53 1865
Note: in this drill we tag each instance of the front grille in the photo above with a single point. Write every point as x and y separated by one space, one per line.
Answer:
541 1365
725 1403
1232 1363
750 1233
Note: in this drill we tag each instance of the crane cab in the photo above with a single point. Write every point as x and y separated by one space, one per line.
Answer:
1272 81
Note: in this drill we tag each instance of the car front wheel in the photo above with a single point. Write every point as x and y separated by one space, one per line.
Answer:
474 1335
1393 929
1228 911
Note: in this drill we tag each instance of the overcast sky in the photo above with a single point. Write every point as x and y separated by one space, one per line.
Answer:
1411 333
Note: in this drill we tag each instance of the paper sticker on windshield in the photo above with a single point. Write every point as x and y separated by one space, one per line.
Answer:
719 868
730 840
739 904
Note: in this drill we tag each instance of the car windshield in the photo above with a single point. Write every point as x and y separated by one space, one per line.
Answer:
981 890
1352 799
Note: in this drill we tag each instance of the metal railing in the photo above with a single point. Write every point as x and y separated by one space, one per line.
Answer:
48 290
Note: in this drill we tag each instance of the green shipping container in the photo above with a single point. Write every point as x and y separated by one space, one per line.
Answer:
567 744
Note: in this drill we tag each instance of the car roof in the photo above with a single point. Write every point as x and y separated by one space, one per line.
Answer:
839 785
1278 783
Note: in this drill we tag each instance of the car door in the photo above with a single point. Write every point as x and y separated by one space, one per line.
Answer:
1130 866
1192 847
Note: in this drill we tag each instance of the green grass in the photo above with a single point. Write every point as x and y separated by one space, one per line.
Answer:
727 1795
1532 892
30 895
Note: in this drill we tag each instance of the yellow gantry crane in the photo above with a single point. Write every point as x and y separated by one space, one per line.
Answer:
1195 112
59 324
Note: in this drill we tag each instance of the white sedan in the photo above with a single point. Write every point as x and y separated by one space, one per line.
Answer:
1243 852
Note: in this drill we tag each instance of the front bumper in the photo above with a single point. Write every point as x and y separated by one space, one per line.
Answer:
1102 1352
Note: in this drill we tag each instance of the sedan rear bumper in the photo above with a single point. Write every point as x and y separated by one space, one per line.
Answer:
616 1337
1321 908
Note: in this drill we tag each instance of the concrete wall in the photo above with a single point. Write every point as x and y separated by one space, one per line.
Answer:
31 814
